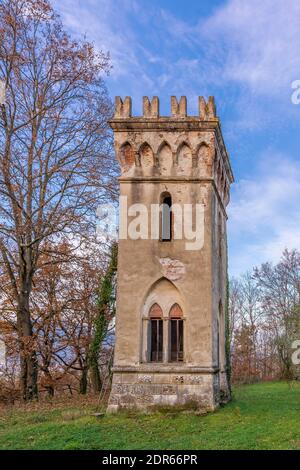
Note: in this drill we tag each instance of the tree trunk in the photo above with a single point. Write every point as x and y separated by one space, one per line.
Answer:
23 370
95 378
50 391
83 382
28 357
49 383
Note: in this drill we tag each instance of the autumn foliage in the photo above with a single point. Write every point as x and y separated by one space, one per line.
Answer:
55 169
265 321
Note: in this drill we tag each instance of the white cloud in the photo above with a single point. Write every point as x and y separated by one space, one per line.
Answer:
261 42
264 216
271 194
247 53
106 24
254 43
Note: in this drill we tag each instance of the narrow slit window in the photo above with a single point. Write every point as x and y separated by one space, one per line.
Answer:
156 339
166 219
176 340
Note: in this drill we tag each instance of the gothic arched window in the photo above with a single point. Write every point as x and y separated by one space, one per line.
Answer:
176 333
156 333
162 332
166 217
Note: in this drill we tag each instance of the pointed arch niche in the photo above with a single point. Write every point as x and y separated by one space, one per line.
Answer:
162 336
126 157
165 158
146 157
203 158
184 159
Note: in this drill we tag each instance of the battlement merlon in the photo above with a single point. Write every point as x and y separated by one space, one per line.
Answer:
206 120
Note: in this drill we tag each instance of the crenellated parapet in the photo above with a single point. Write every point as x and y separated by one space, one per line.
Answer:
175 146
178 109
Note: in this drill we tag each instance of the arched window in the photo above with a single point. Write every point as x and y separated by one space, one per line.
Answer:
176 333
162 324
166 218
156 333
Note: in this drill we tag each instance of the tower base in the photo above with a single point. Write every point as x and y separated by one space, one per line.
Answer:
144 387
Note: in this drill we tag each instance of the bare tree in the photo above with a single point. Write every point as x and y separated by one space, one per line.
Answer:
55 149
245 320
280 292
234 309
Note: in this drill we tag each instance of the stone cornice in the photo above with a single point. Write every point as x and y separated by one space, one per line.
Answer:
189 123
167 368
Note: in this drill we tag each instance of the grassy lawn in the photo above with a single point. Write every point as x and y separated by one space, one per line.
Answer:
261 416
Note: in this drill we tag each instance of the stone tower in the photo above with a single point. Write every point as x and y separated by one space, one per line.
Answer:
171 296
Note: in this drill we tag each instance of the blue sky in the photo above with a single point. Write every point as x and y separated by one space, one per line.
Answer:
244 52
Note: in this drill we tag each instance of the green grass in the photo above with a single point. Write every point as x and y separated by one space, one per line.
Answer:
261 416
